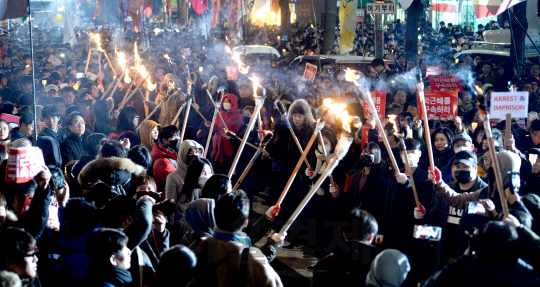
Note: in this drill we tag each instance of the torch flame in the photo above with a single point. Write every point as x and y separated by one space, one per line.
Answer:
97 39
144 74
137 58
168 58
236 57
352 76
478 90
339 110
127 79
255 81
392 119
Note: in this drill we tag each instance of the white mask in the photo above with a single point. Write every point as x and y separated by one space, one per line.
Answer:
462 148
202 180
227 106
413 159
326 147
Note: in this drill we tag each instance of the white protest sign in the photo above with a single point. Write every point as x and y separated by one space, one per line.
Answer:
55 61
310 72
514 103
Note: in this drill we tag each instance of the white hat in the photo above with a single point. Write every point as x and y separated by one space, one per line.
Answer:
50 87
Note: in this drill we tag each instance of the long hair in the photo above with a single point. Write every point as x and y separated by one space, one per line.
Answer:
125 120
193 173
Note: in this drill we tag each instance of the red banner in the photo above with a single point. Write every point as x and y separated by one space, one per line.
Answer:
379 99
441 106
310 72
232 72
445 83
23 164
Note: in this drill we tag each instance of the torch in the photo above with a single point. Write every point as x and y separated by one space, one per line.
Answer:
261 148
342 147
236 57
124 102
216 111
155 109
259 101
219 114
233 135
482 109
403 150
352 76
185 119
420 87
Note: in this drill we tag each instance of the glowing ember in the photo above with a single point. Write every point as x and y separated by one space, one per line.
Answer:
339 110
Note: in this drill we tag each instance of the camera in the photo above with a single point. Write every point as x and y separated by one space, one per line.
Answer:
428 232
167 207
57 177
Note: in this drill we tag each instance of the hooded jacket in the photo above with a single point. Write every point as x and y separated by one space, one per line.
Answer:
113 171
175 180
509 162
389 269
199 214
221 146
162 158
304 105
145 130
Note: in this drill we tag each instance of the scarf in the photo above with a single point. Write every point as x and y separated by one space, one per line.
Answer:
236 236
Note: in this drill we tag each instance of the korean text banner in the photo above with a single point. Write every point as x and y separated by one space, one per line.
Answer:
379 100
445 83
441 106
23 164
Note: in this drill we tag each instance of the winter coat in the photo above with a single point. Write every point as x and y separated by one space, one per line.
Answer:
169 108
163 165
59 136
221 146
72 148
51 151
16 134
145 130
73 262
106 276
219 264
175 180
113 171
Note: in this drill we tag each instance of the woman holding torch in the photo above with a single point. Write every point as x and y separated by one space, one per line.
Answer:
222 148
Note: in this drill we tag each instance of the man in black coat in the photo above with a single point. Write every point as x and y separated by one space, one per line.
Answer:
51 114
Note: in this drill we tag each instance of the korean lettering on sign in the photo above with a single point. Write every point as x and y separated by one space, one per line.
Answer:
381 8
440 106
445 83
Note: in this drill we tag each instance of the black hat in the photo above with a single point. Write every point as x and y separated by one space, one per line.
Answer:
466 157
464 137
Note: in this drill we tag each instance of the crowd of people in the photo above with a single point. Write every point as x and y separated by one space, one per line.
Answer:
138 187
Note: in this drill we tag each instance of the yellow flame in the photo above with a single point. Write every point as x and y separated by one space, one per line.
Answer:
97 39
339 110
392 119
352 76
144 74
479 90
236 57
137 58
168 58
127 79
255 81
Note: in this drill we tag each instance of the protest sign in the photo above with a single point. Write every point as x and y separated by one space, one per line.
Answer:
433 70
23 164
445 83
55 61
440 106
514 103
232 72
364 135
310 72
379 100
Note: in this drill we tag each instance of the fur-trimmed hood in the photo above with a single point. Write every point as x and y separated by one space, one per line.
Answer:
304 105
112 171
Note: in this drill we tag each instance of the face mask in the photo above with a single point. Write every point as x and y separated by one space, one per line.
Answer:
461 148
491 175
413 159
349 101
245 119
326 147
227 106
174 144
87 102
463 176
202 180
366 160
341 77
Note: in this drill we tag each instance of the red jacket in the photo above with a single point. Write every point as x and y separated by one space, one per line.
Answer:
233 119
161 157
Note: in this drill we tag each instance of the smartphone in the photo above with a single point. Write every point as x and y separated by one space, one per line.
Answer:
80 75
57 177
475 207
428 232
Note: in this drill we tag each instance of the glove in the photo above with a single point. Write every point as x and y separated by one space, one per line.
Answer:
199 134
208 124
195 106
435 176
379 239
401 178
273 211
334 189
419 213
310 172
278 238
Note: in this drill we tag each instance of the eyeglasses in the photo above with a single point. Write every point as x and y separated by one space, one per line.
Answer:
32 254
79 124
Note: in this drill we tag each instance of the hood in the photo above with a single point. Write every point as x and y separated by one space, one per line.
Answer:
145 129
388 269
200 215
51 150
234 103
304 105
183 153
113 171
509 162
